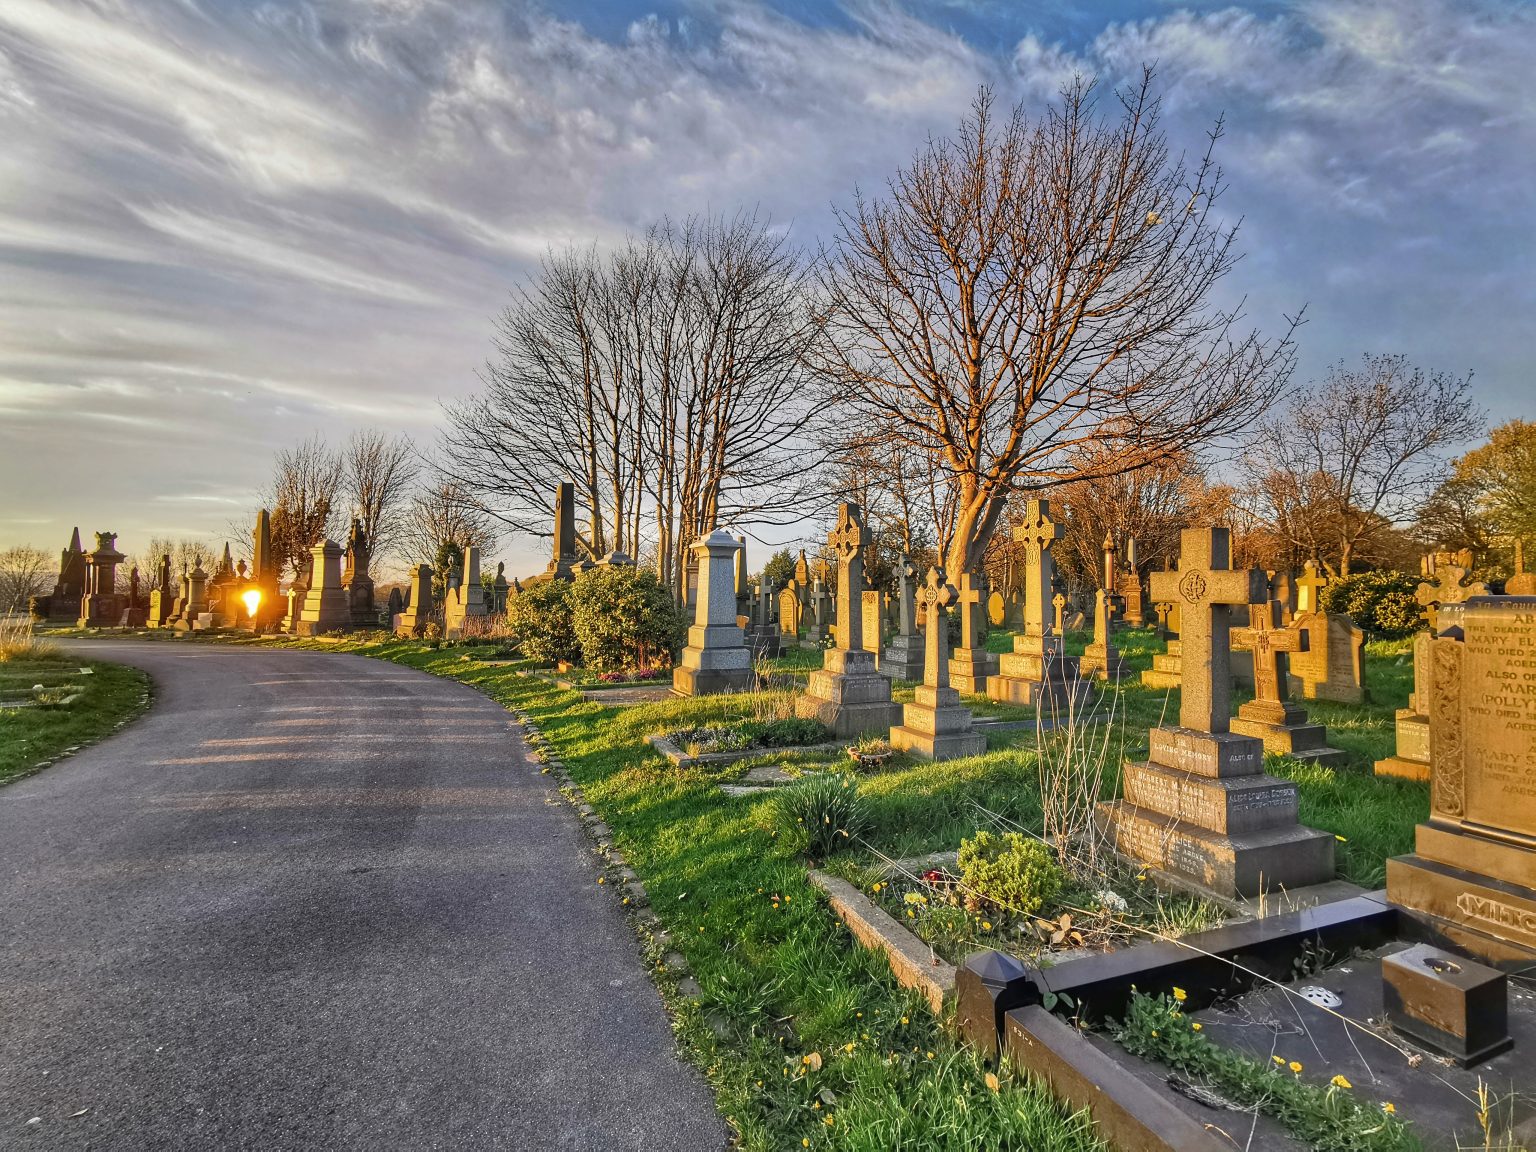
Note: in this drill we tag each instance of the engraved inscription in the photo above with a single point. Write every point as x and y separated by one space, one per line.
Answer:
1497 736
1495 912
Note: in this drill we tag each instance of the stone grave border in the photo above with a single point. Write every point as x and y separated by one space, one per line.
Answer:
914 964
1000 1006
681 759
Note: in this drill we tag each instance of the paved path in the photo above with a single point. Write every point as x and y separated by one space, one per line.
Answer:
319 901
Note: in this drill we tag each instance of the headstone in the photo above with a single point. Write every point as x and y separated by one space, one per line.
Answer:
742 584
1200 808
820 626
847 693
194 604
716 658
564 558
417 613
466 601
1331 665
874 623
135 612
1283 591
101 606
1101 659
1472 877
1446 582
935 726
1132 593
1411 755
356 579
1038 671
163 595
789 614
326 607
63 603
1522 583
763 639
972 665
903 658
1271 715
1111 585
500 588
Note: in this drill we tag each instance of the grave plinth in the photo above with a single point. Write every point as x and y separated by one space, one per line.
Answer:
1038 672
326 607
717 658
1200 808
1167 669
936 726
846 693
1101 659
418 613
1471 880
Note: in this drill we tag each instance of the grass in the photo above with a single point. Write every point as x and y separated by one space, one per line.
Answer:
805 1037
32 738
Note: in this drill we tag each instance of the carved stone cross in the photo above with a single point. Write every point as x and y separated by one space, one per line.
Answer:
907 575
848 540
934 597
1204 587
1059 602
1269 644
1037 533
1309 587
970 598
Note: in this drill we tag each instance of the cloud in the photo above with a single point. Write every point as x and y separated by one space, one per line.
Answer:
225 225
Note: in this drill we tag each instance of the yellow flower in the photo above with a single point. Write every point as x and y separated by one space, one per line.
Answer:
1340 839
1154 1032
903 1019
930 1055
1196 1026
1180 995
986 925
1280 1060
1388 1107
806 1143
911 915
1295 1067
812 1061
848 1047
1340 1082
992 1082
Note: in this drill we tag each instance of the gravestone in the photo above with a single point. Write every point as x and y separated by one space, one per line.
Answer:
564 558
789 613
935 726
1111 586
1132 592
742 585
1038 672
500 589
874 623
193 605
466 602
1446 582
101 606
326 607
903 658
764 636
971 665
1471 879
1101 659
820 608
163 596
1271 715
135 614
1309 588
417 613
394 607
1331 665
264 578
1522 583
846 693
716 658
63 607
1283 590
356 579
1200 808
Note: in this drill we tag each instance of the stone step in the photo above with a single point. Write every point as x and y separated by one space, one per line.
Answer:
1228 806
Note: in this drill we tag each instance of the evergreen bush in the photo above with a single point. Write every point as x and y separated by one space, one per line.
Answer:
624 618
1382 602
540 617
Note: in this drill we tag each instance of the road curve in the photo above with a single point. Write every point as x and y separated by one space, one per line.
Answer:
313 900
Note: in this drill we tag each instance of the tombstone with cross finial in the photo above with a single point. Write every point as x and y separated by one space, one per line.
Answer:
1101 659
764 636
1038 672
818 614
971 664
1446 587
936 726
847 693
717 658
1200 809
1309 589
1332 664
1272 715
903 659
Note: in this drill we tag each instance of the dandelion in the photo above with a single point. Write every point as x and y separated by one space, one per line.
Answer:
1295 1067
1340 1082
1154 1033
1280 1060
1195 1026
1180 995
903 1019
986 925
992 1082
930 1055
1388 1107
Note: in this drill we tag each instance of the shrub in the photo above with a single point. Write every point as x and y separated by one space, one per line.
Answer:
821 815
541 617
623 618
1011 871
1381 602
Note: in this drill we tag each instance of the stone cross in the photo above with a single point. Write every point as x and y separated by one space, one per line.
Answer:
1037 533
1269 643
1130 555
1205 586
907 574
970 598
819 602
935 596
1059 602
764 602
1448 571
848 541
1309 586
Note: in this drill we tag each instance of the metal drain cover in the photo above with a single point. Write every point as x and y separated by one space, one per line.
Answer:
1319 996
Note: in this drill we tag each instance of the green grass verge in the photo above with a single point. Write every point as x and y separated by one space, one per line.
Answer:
32 738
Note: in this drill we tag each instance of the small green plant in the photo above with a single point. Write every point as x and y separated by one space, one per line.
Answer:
1331 1119
822 814
788 732
1009 871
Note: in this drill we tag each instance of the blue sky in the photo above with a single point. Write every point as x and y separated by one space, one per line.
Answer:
223 225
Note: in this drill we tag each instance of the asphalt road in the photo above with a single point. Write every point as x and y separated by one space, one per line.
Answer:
319 901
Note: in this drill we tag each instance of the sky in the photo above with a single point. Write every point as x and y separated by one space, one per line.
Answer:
227 224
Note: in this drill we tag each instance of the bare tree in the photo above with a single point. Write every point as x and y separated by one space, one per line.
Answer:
25 572
182 551
303 496
1027 288
381 470
444 514
666 380
1357 455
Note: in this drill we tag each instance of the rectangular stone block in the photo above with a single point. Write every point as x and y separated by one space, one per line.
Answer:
1226 806
1205 753
1448 1003
1412 735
